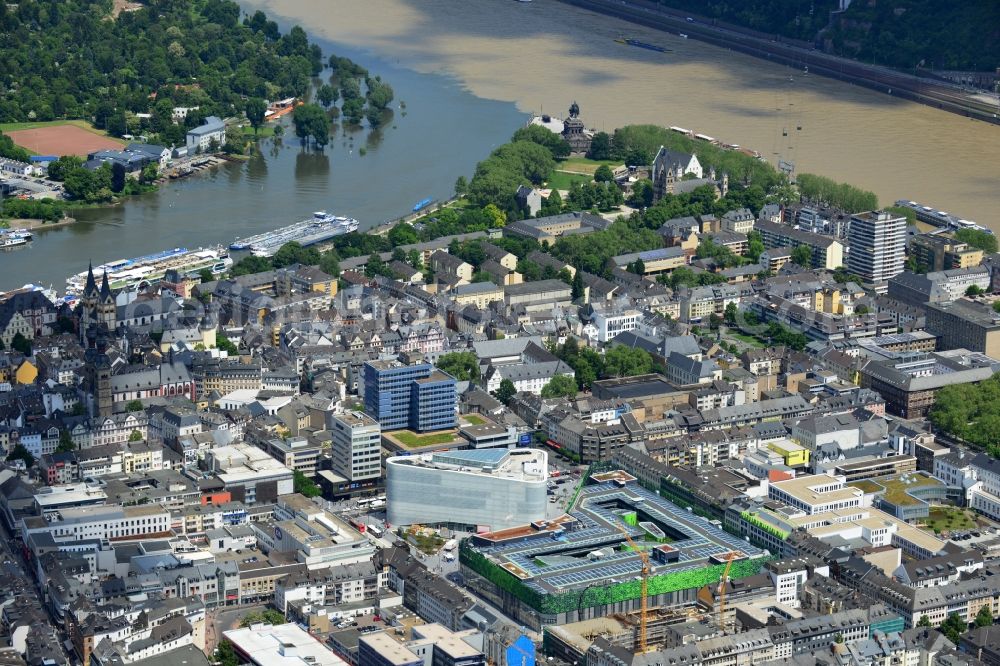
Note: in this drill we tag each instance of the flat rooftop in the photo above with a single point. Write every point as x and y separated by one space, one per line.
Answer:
522 464
536 287
391 651
447 640
833 522
77 493
356 419
243 462
589 546
804 490
978 314
281 645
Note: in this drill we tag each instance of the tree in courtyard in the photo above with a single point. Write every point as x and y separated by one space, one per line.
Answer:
225 654
135 436
305 486
622 361
974 290
730 314
755 246
21 344
953 628
66 442
133 406
506 391
560 386
924 621
984 617
578 289
463 366
802 255
226 345
375 266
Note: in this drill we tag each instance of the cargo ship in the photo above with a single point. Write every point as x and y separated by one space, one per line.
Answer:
320 227
939 218
146 271
642 45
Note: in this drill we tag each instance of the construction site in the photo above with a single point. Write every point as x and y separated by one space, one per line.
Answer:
620 549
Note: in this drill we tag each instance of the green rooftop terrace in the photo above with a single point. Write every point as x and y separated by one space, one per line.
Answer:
899 490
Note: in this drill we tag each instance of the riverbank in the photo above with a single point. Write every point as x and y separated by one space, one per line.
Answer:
32 224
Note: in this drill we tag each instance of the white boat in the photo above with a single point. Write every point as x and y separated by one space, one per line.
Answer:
148 270
14 238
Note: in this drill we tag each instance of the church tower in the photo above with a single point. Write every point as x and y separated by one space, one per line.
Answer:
97 378
88 304
107 309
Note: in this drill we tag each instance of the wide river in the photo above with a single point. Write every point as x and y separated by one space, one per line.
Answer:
471 71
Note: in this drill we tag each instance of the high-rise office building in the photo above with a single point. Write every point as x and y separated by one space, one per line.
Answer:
877 243
356 449
417 396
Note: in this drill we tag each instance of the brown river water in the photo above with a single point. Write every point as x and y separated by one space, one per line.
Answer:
544 54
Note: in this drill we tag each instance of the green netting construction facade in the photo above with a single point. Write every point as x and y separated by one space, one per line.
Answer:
581 565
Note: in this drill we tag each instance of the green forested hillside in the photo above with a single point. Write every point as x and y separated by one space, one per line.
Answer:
74 59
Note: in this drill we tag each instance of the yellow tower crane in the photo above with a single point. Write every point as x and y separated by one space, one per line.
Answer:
722 589
644 602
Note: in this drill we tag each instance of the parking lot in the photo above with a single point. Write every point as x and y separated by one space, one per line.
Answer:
35 188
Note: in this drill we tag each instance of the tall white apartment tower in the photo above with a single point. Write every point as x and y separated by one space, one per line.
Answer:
877 245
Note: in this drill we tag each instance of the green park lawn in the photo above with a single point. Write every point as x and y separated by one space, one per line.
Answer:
585 165
264 131
744 338
561 180
82 124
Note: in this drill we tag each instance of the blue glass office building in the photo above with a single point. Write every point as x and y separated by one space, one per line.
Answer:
419 396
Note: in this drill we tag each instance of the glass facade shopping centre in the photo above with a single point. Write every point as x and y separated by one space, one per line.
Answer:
581 565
